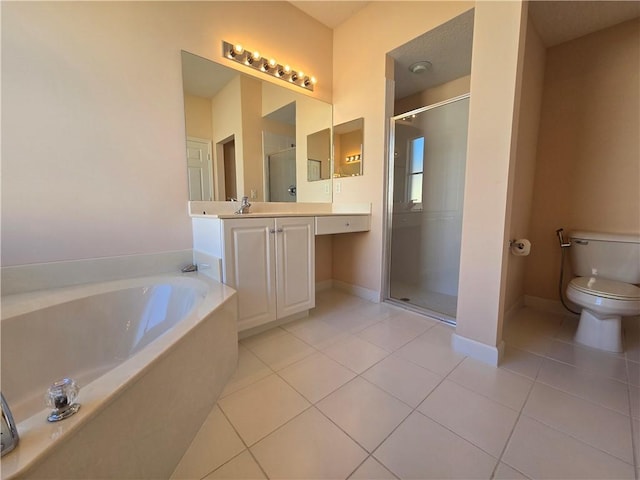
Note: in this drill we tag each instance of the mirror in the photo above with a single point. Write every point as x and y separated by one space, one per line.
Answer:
319 155
347 148
250 137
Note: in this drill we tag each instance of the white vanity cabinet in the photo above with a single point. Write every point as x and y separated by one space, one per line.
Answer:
269 261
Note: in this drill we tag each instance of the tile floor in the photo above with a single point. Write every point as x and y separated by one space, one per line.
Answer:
369 391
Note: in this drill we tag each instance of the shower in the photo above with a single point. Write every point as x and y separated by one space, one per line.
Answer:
426 168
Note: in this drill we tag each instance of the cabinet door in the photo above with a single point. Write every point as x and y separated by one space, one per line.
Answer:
295 252
249 267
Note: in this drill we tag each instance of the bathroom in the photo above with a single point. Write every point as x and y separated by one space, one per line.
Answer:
111 97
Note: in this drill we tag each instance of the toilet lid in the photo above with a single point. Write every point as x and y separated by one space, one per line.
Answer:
606 288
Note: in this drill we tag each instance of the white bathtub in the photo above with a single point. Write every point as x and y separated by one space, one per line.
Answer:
151 356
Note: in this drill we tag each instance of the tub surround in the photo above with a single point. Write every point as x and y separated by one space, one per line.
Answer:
182 371
44 276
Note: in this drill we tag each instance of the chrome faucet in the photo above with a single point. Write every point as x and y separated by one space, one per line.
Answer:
244 206
9 431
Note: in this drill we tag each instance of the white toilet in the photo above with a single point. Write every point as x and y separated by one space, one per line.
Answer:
607 266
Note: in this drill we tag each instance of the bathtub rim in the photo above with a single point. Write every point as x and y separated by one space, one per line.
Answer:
38 437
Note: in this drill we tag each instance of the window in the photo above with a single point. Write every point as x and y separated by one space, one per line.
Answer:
415 169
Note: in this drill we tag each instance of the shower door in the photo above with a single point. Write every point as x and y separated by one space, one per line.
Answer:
426 185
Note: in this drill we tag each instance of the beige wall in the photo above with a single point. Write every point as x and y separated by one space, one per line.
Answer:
360 90
498 44
93 132
436 94
197 116
588 162
521 193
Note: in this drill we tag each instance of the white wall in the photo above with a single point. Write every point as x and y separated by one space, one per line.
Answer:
93 132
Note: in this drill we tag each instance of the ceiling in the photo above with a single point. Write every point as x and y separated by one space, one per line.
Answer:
331 13
448 47
561 21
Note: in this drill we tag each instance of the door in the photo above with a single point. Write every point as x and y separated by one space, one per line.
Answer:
295 253
249 267
427 167
199 169
282 176
229 159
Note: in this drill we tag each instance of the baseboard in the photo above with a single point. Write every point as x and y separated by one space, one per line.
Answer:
324 285
44 276
547 305
479 351
356 290
510 314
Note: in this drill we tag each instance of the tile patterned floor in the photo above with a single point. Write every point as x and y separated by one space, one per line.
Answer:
370 391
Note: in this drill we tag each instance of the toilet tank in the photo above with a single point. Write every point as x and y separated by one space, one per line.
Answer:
608 255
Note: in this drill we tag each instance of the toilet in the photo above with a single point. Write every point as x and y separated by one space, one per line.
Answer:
608 271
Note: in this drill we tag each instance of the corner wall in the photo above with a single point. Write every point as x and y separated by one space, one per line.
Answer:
520 204
588 160
498 44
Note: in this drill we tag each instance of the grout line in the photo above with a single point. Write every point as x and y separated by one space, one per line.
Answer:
244 443
515 424
634 448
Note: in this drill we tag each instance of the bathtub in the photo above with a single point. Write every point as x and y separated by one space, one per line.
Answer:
151 356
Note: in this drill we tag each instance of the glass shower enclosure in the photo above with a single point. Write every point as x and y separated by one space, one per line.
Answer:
425 199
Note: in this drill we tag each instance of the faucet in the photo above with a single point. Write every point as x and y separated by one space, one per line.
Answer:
244 206
9 431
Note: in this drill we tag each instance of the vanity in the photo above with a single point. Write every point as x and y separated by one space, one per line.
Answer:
268 255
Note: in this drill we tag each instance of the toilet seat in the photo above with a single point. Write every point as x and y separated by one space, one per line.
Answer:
605 297
602 287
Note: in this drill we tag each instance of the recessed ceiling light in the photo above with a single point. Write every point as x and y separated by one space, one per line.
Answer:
420 67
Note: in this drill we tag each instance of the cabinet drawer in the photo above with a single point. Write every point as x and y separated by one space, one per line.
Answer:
342 224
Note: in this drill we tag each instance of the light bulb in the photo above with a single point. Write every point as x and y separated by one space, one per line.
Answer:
301 74
313 80
256 55
287 69
272 62
238 48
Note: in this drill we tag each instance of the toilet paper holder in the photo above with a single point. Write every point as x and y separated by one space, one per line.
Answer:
516 243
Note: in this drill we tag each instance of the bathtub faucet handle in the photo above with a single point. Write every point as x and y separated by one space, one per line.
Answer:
61 398
9 431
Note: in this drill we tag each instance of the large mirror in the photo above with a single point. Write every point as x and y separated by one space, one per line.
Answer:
250 137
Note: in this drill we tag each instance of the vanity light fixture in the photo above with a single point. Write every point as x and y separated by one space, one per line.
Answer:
253 59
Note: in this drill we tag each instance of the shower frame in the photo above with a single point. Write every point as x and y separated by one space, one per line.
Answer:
388 217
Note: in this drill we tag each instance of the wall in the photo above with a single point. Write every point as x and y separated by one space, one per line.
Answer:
588 161
93 133
360 90
496 70
521 195
436 94
197 116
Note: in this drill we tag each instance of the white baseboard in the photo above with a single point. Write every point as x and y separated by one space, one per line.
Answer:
547 305
356 290
485 353
324 285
